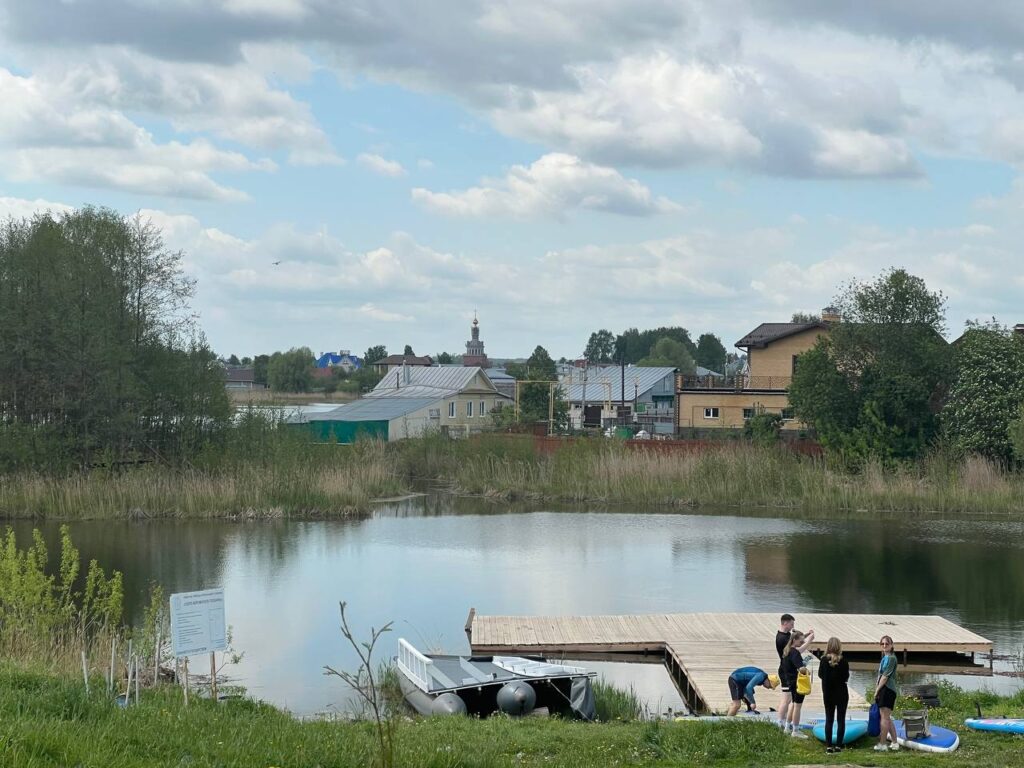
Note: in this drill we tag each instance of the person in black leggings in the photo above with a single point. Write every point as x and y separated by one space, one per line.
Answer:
834 672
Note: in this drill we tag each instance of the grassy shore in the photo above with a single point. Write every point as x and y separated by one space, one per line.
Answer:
50 721
278 472
737 475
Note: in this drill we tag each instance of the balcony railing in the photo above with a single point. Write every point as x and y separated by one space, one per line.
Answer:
735 383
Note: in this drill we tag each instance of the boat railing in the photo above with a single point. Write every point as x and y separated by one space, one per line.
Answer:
414 665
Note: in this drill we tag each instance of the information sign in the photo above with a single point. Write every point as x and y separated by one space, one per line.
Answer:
197 622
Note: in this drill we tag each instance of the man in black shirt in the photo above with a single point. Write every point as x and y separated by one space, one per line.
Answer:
786 624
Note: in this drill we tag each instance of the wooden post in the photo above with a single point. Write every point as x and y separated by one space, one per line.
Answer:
213 675
128 686
186 681
136 681
85 673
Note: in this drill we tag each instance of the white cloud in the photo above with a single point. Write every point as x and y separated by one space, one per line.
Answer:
18 208
43 137
380 165
781 87
551 186
372 312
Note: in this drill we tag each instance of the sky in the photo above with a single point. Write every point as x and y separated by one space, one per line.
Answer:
339 175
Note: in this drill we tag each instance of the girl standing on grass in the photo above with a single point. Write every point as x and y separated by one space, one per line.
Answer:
834 672
792 661
885 695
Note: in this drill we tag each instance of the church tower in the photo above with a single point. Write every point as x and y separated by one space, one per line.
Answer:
475 355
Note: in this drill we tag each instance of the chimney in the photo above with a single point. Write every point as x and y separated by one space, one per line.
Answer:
830 315
406 374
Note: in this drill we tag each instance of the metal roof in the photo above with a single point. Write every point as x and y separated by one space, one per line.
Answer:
639 380
416 381
375 409
766 333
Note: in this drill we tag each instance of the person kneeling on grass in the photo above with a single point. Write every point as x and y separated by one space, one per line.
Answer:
742 683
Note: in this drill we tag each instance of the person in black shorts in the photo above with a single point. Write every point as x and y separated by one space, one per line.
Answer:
786 624
742 683
885 696
792 662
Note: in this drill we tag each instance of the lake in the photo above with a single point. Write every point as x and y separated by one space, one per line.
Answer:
422 563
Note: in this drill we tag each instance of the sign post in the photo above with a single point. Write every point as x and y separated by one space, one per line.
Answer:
198 626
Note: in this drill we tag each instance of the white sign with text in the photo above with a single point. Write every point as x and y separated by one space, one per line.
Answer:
197 622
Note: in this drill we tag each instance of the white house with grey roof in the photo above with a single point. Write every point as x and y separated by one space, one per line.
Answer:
413 400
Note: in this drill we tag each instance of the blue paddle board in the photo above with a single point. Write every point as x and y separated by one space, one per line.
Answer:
940 740
854 730
996 724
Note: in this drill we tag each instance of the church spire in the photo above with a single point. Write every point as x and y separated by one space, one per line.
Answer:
475 355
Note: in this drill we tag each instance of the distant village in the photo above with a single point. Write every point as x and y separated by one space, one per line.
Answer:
406 395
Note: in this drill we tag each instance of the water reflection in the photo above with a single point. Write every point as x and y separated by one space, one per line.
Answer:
424 562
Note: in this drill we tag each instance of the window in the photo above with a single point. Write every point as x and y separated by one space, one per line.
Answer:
748 413
787 414
711 413
483 408
451 410
795 359
469 408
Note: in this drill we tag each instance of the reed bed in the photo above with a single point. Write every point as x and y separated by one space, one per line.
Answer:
279 473
326 481
742 476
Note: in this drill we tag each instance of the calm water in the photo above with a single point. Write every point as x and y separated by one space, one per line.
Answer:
423 563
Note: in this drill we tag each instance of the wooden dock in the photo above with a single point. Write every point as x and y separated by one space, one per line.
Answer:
700 650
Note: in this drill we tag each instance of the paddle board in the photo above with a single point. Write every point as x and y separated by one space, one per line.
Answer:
940 740
996 724
854 730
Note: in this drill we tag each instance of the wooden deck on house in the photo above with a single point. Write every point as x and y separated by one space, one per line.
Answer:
702 649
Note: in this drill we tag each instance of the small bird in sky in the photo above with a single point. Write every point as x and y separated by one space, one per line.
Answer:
275 263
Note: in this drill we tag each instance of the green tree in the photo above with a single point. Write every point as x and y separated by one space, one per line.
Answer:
710 352
291 371
375 353
259 369
247 361
96 340
443 358
632 345
886 364
805 317
233 360
987 391
668 352
534 398
600 347
1016 432
408 351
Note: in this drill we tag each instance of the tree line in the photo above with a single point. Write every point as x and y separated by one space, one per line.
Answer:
102 360
666 346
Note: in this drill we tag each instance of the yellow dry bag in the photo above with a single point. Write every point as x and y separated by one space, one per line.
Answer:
803 681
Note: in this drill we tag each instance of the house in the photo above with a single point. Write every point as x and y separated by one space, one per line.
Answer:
638 394
240 377
343 359
413 400
391 362
727 402
502 381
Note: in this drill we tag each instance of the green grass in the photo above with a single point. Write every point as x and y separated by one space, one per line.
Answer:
614 703
49 721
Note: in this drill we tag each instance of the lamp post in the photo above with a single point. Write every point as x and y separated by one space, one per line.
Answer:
636 394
